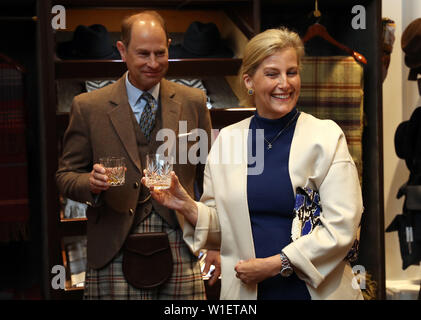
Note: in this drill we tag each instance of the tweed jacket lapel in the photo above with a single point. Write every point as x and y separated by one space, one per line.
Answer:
170 107
121 120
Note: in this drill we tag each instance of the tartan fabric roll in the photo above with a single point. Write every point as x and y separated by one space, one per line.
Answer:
185 283
332 88
14 207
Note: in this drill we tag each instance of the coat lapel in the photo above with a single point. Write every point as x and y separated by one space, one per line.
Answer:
170 115
121 120
170 107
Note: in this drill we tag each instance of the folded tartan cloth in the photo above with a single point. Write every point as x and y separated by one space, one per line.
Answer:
333 88
14 206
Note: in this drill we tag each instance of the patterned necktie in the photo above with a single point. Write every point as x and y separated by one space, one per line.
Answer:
147 119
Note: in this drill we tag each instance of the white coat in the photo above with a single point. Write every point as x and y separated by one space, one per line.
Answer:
319 159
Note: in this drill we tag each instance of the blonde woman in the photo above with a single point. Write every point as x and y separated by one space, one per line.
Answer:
249 212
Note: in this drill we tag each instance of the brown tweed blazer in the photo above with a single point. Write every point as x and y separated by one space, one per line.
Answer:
101 124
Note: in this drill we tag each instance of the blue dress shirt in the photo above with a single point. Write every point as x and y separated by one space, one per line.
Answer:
134 94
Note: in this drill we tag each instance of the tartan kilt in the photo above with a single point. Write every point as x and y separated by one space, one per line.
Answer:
185 283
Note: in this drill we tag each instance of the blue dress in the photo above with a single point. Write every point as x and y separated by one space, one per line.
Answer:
271 202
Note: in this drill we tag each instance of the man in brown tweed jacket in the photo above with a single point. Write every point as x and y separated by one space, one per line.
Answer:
105 122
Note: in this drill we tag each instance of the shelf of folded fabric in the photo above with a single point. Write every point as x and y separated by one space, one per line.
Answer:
71 220
73 252
106 69
72 223
72 211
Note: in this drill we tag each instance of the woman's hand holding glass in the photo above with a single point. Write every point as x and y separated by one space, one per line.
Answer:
175 198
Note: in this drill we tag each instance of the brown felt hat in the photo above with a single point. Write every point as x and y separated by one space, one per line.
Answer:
408 139
411 45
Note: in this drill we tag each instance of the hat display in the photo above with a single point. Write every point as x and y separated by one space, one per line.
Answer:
91 42
201 40
411 45
407 135
389 28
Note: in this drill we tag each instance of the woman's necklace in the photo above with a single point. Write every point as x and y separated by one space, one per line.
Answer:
270 143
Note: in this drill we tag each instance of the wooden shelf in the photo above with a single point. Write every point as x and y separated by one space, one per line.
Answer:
68 284
153 4
219 117
72 227
204 67
71 220
106 69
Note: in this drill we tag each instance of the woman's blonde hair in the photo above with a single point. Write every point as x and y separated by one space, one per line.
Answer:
262 46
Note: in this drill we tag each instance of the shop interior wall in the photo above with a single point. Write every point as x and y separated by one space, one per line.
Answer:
400 98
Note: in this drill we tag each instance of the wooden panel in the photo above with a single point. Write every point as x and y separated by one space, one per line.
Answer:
372 230
48 147
154 4
176 20
204 67
224 117
108 69
220 117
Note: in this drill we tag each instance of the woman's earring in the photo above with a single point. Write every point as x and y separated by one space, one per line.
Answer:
250 92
